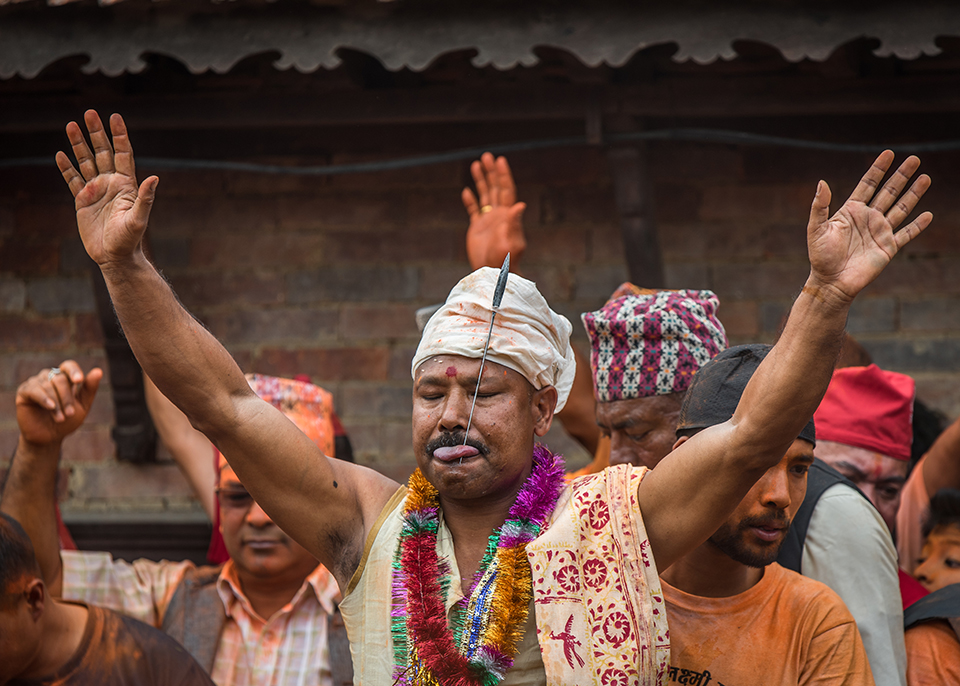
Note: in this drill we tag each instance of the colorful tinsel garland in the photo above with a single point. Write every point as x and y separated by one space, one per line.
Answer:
482 644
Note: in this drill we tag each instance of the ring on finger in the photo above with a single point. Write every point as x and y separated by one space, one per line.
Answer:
485 209
53 372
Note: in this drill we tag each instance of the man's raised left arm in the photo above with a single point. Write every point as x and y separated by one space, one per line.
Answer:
700 483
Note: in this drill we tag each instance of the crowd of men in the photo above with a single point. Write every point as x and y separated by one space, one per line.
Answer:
751 515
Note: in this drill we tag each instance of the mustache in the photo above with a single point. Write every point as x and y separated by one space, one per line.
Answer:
453 439
777 520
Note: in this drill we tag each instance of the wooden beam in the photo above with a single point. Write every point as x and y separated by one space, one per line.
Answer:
633 192
700 97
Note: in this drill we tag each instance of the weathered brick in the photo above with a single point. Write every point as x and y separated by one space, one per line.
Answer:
226 216
784 240
8 443
273 325
917 354
247 288
766 279
46 219
599 282
773 314
380 401
437 280
88 332
123 480
13 295
676 202
28 333
769 202
930 314
392 247
559 166
438 207
681 241
579 206
556 243
572 311
8 411
919 275
61 294
6 221
170 252
695 275
205 183
19 256
73 256
696 161
606 242
378 321
555 282
400 360
872 315
102 411
249 184
447 174
33 182
364 438
383 282
396 443
940 390
326 364
89 444
267 250
740 318
763 164
331 210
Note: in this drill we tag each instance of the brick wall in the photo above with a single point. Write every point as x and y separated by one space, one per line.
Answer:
323 276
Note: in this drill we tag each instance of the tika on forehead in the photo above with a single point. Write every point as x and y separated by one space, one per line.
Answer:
527 336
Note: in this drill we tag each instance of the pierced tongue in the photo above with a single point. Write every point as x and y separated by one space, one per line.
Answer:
457 452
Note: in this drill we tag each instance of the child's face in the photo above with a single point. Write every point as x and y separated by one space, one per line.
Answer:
939 563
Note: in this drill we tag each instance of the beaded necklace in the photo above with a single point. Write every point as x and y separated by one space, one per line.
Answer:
482 643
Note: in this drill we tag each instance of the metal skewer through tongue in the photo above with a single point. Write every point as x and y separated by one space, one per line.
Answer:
497 298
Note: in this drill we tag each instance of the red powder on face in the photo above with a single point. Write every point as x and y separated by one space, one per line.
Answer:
451 371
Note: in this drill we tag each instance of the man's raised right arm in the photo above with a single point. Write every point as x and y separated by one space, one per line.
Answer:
50 406
327 506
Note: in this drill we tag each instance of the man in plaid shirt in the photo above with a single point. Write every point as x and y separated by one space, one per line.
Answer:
261 618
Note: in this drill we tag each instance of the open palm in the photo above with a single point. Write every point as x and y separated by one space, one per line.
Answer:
850 249
496 218
112 212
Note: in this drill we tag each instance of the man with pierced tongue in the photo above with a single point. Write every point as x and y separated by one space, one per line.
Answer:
486 568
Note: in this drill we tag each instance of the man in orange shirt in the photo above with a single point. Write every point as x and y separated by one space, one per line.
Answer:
736 616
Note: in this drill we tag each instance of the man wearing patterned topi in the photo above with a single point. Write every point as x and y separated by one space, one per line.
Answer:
453 579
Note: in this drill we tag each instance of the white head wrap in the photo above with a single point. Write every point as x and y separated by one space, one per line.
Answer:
528 337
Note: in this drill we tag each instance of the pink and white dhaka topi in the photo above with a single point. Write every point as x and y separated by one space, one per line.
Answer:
646 342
